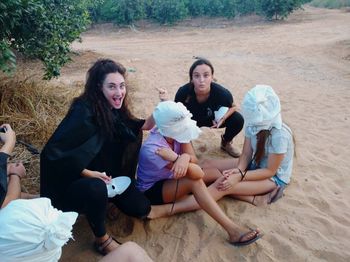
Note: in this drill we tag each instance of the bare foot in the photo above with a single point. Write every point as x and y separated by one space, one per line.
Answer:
159 211
264 200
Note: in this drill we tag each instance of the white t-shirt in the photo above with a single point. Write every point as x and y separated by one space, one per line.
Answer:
280 141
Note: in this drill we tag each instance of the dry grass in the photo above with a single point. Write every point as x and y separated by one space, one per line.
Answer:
33 108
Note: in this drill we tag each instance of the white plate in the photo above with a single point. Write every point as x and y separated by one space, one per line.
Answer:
118 185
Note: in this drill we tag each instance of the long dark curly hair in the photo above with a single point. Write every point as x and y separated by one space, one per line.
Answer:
96 75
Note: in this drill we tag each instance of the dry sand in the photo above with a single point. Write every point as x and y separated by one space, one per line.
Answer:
306 59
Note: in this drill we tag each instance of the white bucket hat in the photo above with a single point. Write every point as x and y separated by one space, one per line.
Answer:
174 120
261 109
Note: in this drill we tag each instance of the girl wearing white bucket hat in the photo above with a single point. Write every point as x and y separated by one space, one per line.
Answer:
167 170
264 169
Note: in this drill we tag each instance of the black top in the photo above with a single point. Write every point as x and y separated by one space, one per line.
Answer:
3 176
78 143
203 113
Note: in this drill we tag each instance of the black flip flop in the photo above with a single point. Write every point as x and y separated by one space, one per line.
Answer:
240 243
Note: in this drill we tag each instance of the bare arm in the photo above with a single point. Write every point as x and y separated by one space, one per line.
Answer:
274 161
149 123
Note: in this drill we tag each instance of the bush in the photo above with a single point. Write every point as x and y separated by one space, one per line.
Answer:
246 7
332 4
41 29
279 9
122 12
169 11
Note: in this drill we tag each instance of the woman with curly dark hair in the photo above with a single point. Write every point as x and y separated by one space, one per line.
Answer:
99 139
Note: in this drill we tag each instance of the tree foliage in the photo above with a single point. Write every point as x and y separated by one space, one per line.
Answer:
122 12
42 29
279 9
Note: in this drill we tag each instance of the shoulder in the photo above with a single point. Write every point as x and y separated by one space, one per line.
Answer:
221 95
219 89
182 92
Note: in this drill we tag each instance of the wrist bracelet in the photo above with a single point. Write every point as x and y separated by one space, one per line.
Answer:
176 158
14 174
242 175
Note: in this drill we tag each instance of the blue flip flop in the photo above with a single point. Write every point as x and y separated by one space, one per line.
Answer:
278 194
240 243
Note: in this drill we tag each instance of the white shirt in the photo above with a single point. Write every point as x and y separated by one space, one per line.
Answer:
280 141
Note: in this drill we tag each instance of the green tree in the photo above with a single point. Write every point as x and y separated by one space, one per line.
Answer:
122 11
279 9
42 29
169 11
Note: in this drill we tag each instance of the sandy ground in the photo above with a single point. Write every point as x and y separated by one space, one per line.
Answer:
306 59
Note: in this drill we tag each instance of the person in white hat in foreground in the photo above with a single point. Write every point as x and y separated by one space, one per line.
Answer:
167 170
33 230
264 169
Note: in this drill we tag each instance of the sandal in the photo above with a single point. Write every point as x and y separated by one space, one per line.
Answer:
100 247
278 194
255 237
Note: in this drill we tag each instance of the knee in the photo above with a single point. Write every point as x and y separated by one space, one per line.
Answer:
97 189
236 120
194 171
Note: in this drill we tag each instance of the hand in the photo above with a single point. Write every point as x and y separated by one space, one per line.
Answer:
166 154
96 174
17 168
163 94
226 182
180 166
8 137
219 123
231 171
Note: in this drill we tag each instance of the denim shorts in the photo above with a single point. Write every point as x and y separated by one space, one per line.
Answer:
253 166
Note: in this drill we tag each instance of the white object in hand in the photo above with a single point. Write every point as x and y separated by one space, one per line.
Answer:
220 113
118 185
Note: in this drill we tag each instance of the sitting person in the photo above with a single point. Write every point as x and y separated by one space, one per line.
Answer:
99 139
202 97
264 169
33 230
10 174
167 169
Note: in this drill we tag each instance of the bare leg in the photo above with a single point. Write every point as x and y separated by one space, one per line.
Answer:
206 202
220 164
128 252
258 200
244 191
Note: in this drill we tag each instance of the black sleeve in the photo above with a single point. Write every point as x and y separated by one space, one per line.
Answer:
222 95
182 93
3 176
73 145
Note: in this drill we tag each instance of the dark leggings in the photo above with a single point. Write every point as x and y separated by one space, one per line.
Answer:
89 196
234 125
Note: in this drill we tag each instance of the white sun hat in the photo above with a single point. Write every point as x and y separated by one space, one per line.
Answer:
261 109
174 120
32 230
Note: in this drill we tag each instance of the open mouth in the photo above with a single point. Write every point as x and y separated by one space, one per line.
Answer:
117 101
